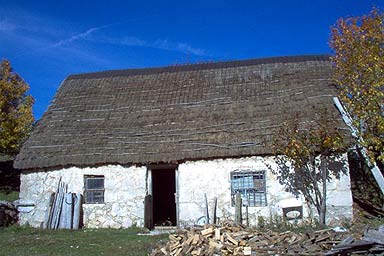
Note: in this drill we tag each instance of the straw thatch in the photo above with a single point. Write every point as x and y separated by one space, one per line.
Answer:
171 114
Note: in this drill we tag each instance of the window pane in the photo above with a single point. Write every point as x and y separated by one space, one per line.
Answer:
251 185
94 189
95 196
95 183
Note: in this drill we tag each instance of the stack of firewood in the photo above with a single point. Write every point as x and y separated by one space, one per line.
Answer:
237 240
8 214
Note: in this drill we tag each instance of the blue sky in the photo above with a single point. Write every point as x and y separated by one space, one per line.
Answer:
46 41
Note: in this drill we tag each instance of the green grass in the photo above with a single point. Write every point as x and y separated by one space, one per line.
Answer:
9 196
28 241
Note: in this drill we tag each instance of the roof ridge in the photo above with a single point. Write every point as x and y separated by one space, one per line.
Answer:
200 66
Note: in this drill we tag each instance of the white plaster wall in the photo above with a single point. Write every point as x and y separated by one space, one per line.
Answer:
125 189
124 195
213 178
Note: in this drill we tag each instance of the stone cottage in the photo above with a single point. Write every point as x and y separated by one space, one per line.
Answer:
175 133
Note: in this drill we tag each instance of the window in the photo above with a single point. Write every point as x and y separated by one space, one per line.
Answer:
94 189
251 185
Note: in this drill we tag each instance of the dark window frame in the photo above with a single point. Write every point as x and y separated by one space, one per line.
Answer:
252 186
89 193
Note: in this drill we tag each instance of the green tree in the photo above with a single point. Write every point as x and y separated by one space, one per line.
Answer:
307 157
358 44
16 116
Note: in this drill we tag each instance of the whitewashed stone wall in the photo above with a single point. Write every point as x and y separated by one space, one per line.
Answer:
125 189
213 178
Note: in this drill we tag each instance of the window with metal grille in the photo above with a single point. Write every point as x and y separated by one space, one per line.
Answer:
251 186
94 189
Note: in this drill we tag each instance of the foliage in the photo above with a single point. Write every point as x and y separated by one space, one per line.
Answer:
359 64
9 196
15 110
307 157
29 241
277 223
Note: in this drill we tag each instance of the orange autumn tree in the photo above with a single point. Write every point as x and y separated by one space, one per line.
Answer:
307 157
358 44
16 117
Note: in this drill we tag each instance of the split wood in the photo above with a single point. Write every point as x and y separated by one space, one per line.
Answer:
8 214
238 240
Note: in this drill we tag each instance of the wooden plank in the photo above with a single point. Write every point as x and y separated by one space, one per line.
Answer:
76 210
48 217
66 216
55 206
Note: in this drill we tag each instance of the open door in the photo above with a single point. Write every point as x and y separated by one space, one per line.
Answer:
163 196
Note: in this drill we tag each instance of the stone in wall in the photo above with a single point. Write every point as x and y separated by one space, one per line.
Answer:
125 189
123 196
213 178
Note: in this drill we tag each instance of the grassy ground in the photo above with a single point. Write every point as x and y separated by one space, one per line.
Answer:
9 196
28 241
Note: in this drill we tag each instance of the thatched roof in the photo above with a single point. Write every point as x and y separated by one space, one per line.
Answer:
170 114
6 158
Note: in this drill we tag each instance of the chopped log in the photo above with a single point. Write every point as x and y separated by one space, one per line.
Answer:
231 239
238 240
247 250
8 214
208 231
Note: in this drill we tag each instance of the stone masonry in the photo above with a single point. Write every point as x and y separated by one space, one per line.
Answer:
126 187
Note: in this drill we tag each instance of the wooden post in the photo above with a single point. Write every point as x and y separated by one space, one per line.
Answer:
148 212
246 215
206 209
214 210
238 213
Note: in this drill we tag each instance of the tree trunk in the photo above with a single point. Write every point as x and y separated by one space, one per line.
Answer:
323 203
323 210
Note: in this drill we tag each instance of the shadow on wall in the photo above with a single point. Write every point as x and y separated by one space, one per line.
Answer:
366 193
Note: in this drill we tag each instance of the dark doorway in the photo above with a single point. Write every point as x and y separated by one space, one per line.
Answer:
163 192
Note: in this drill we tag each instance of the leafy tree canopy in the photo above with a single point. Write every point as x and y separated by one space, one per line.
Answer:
308 154
358 44
16 116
